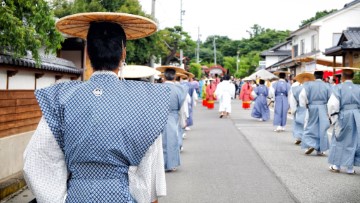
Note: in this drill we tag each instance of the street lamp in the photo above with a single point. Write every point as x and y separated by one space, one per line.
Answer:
237 61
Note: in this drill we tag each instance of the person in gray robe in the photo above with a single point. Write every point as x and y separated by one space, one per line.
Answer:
261 110
343 108
280 91
299 112
171 144
315 96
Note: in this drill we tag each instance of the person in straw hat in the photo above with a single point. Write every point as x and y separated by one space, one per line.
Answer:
279 91
261 109
245 93
343 109
314 96
225 91
298 112
171 137
100 140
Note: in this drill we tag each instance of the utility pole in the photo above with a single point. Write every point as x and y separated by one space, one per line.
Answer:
214 51
237 60
182 12
153 9
198 47
152 57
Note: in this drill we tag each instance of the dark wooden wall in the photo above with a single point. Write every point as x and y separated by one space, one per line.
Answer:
19 112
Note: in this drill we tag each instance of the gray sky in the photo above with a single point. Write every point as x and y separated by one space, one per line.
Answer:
233 17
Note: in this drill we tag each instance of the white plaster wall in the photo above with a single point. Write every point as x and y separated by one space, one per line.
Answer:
45 81
3 79
63 79
11 153
307 37
270 60
74 56
285 47
22 81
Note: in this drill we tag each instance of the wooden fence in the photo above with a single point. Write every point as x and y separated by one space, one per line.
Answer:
19 112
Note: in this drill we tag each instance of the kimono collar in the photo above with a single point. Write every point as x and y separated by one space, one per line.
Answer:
350 81
281 79
171 82
104 75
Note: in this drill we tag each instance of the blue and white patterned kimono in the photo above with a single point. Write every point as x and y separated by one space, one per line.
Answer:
345 142
103 126
171 145
315 96
261 109
281 89
299 113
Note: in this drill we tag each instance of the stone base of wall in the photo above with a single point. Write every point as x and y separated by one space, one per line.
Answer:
11 185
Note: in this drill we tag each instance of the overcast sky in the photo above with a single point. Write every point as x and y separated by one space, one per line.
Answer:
233 17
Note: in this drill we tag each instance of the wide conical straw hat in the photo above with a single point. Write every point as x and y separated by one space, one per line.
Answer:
135 26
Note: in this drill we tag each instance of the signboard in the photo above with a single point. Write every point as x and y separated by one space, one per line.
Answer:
262 64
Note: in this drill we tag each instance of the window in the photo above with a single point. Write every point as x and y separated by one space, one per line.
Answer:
302 47
336 38
313 42
295 51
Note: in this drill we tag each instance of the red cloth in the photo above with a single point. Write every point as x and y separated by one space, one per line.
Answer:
245 94
210 90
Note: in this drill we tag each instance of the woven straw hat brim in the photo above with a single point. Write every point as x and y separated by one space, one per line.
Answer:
300 78
190 75
136 71
135 26
348 68
182 76
177 69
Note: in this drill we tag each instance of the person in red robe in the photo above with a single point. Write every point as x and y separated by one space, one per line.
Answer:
245 94
210 94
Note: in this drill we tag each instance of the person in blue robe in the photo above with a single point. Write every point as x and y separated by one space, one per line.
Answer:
299 112
315 96
101 128
343 108
261 110
171 142
280 91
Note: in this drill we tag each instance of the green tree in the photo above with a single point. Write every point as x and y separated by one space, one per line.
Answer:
195 69
28 26
230 64
175 39
318 15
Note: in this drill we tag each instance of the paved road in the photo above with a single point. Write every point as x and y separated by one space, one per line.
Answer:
220 165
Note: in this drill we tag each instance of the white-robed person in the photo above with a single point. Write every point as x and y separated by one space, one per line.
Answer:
343 109
299 112
314 96
225 91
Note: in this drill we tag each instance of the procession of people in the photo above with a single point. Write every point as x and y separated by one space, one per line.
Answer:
113 138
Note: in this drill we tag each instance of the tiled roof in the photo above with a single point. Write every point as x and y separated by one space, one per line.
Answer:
50 63
350 39
352 36
276 53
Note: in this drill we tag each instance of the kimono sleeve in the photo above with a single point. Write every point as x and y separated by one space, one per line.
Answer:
49 102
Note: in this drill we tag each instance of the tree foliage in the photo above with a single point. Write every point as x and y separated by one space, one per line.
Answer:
318 15
27 26
195 68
